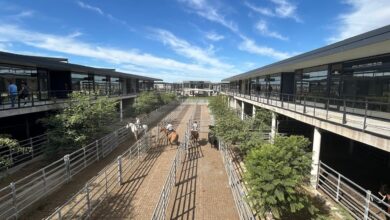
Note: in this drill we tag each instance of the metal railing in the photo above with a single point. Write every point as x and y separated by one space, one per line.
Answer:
359 202
36 98
84 202
365 115
20 195
161 207
237 187
34 147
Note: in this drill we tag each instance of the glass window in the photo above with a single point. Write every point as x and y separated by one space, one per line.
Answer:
312 81
115 86
101 85
82 82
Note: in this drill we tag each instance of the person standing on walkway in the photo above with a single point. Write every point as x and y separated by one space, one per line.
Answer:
12 92
23 94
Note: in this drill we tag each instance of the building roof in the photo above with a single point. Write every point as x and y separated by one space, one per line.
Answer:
61 64
371 43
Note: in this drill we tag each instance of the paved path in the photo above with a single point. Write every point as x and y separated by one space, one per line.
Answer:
202 190
136 199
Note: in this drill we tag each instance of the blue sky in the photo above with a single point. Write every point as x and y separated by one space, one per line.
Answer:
182 39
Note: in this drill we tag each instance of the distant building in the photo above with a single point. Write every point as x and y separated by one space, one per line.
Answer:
197 88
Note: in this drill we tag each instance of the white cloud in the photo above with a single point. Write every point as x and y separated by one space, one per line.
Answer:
262 27
207 11
214 36
120 58
283 9
90 7
250 46
182 47
366 15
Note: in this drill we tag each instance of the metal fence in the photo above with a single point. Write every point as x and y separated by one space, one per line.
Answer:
20 195
34 147
96 190
161 206
238 189
360 202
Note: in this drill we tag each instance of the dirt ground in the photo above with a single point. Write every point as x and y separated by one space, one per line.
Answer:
202 189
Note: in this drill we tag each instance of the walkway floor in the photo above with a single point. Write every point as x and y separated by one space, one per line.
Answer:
136 199
202 190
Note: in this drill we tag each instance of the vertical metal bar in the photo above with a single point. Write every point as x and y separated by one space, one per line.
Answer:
67 167
365 116
119 161
344 112
84 158
367 205
338 187
44 181
315 104
327 108
32 148
106 181
97 149
14 202
304 104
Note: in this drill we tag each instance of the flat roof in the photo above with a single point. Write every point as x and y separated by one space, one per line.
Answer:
371 43
61 64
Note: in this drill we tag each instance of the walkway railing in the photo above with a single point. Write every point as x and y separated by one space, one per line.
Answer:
36 98
238 190
365 115
20 195
83 203
360 202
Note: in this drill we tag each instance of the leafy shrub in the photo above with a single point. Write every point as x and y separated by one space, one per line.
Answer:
275 175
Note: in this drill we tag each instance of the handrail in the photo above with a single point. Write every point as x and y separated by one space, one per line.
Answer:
13 199
341 111
36 98
359 202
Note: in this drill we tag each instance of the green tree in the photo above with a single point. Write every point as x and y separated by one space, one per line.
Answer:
275 176
78 123
10 145
166 97
146 102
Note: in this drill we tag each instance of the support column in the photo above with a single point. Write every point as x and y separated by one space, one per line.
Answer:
351 147
242 110
315 157
273 127
121 110
253 111
235 103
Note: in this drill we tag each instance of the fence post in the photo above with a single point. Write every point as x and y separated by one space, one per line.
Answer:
44 180
367 205
84 157
13 190
88 199
338 187
138 143
119 161
97 149
365 115
344 113
32 148
67 167
304 104
327 109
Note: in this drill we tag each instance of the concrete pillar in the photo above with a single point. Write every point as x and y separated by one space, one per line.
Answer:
315 156
273 127
351 147
121 110
253 111
235 103
242 110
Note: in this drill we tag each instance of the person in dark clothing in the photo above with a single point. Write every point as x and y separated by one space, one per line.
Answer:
23 94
